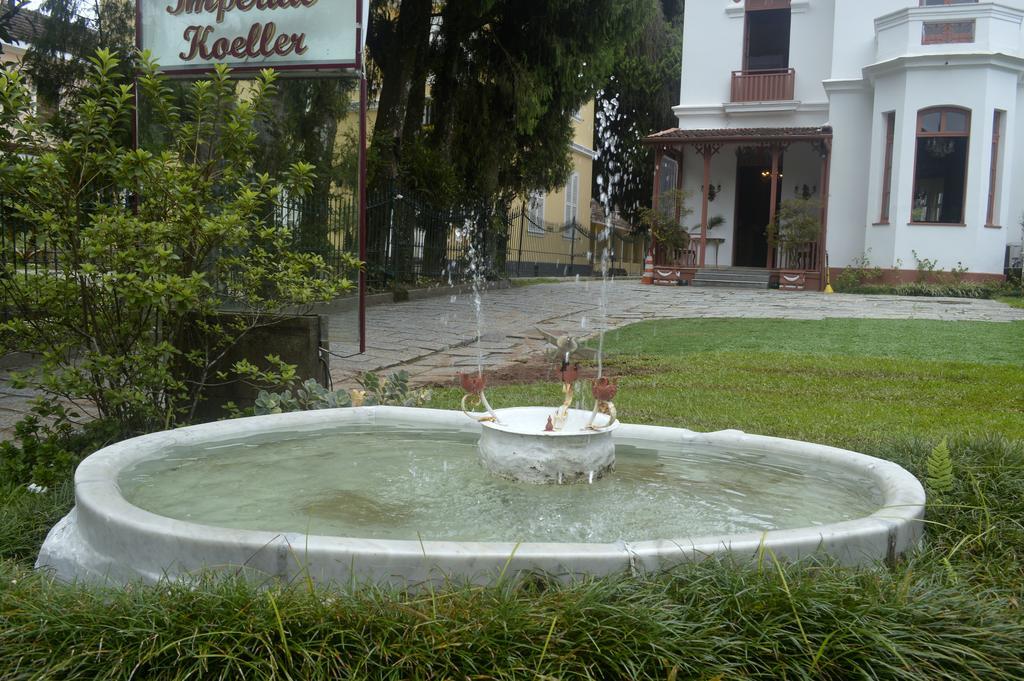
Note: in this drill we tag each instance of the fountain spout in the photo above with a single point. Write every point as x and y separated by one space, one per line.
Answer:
474 385
604 392
569 375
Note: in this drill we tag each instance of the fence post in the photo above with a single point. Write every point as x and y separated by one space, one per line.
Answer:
572 247
522 233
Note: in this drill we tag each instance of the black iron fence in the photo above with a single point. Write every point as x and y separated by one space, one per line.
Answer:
550 249
325 225
409 242
25 259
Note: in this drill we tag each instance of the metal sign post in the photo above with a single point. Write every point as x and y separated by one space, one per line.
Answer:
363 181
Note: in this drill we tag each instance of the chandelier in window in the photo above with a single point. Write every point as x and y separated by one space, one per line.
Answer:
940 148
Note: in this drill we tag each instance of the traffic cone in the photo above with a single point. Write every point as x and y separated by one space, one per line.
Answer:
648 277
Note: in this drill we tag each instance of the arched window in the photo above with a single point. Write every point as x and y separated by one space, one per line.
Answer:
940 171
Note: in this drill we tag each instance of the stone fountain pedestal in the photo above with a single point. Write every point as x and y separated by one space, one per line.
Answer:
518 448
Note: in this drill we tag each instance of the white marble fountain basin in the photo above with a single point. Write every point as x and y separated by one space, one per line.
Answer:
105 538
518 448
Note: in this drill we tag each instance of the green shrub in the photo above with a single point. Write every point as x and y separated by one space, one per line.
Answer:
390 390
963 289
926 269
858 275
797 222
142 248
46 446
661 223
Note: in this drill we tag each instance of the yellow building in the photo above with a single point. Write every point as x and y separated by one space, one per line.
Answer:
553 236
563 232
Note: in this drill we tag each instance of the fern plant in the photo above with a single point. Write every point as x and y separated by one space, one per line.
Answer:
940 468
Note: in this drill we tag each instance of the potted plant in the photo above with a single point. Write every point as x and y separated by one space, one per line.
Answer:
796 227
668 232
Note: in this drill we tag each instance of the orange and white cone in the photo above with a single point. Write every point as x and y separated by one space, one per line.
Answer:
648 277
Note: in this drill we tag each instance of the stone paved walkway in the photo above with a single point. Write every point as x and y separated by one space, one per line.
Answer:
432 339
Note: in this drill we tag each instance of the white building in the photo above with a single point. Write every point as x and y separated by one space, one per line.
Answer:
900 116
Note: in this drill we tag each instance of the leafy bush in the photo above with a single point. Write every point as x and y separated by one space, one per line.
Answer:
47 446
661 223
308 396
927 269
142 248
859 274
391 390
36 455
797 222
964 289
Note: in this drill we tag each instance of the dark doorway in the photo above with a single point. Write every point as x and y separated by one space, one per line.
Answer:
753 199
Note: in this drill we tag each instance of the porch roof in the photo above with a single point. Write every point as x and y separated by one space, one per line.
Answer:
680 137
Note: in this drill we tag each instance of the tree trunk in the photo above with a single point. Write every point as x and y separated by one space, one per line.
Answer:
398 50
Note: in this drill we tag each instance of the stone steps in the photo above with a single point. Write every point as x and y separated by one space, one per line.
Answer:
731 277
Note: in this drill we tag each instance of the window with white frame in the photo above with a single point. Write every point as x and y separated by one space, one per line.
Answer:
535 213
572 204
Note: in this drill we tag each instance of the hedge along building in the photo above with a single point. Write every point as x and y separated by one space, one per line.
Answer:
899 116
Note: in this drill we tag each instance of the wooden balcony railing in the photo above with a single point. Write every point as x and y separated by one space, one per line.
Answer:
763 86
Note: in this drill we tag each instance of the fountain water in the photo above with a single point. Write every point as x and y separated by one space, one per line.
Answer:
570 447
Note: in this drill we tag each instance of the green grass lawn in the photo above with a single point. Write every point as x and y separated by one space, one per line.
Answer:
953 611
519 282
1012 301
970 342
842 382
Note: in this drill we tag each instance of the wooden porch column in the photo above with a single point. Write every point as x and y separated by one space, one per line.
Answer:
707 150
776 153
679 185
655 195
826 170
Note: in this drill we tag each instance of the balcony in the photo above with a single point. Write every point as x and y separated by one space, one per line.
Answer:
775 85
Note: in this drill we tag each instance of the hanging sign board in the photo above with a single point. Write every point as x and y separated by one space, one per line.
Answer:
306 36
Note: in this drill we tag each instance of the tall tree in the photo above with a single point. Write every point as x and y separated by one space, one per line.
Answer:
505 78
637 101
57 62
399 40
